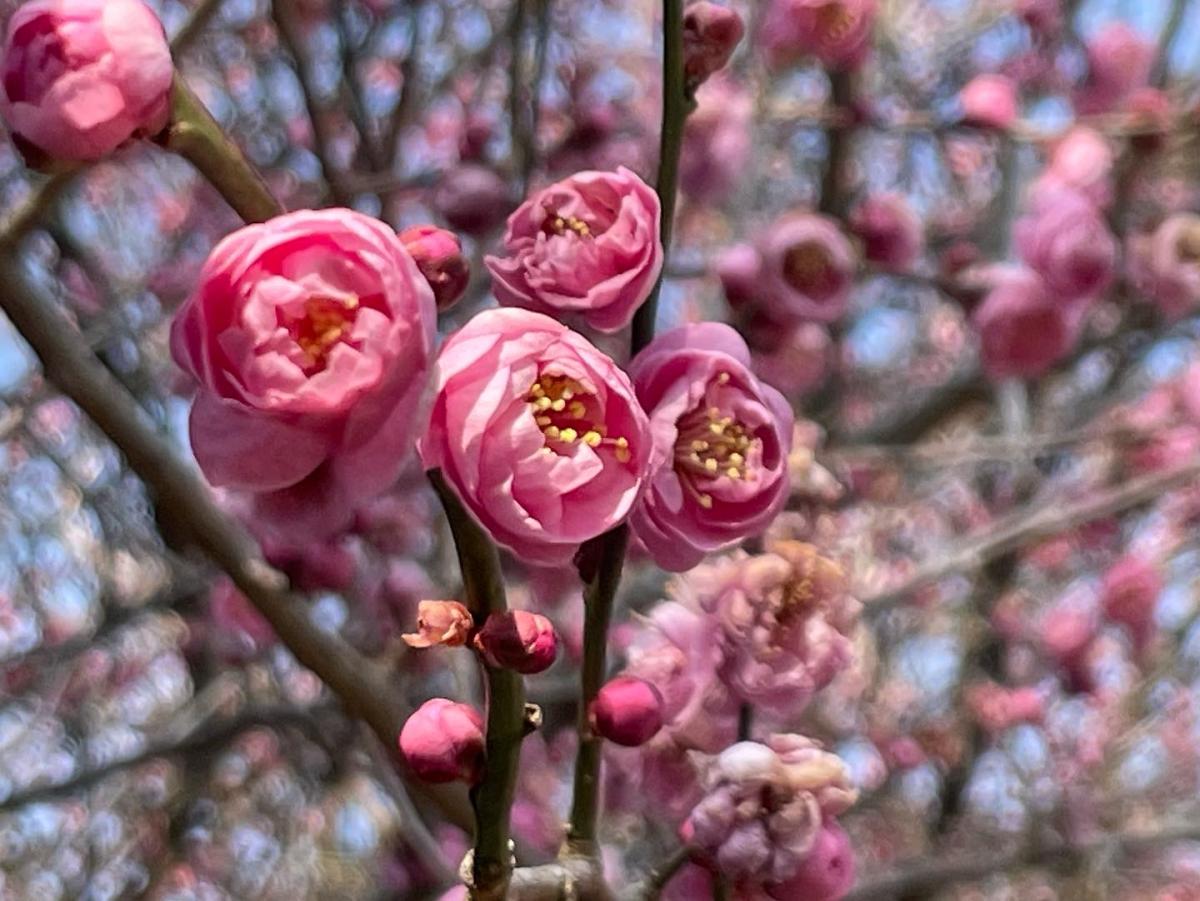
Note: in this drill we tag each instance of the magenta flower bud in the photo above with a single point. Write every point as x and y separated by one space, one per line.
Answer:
826 874
1130 595
1023 328
1119 62
473 199
439 256
889 230
518 640
443 742
1067 242
80 79
989 101
627 711
710 35
440 622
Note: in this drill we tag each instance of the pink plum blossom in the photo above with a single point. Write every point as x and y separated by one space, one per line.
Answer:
721 442
539 433
826 874
1023 328
1066 241
889 230
836 32
1165 264
588 245
1083 161
1119 61
807 268
310 337
990 101
82 77
446 623
1130 593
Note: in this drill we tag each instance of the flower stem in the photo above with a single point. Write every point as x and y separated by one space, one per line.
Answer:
492 798
196 136
676 107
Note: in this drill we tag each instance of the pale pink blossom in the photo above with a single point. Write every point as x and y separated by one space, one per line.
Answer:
889 230
990 101
721 440
311 337
538 432
1081 160
1065 240
587 245
764 809
1165 264
446 623
997 708
82 77
836 32
785 619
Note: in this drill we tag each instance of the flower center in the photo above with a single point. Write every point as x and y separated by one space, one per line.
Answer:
807 267
1188 245
324 323
835 21
560 225
566 412
711 446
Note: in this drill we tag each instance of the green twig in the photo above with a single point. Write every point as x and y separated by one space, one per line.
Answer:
492 799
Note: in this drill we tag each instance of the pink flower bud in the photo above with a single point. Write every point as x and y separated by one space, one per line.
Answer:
518 640
473 199
826 874
80 79
989 101
1130 594
889 229
710 35
439 256
443 742
1023 328
627 711
440 622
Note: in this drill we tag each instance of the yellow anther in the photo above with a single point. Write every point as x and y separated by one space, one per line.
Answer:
552 432
623 455
699 445
577 409
733 472
543 421
543 403
559 405
568 435
710 464
705 501
723 378
592 438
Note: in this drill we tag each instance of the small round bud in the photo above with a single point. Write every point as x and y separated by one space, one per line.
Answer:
474 199
440 622
439 256
443 742
710 35
518 640
627 711
989 101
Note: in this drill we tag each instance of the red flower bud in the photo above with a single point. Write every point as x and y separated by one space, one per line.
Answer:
440 622
439 256
710 35
518 640
627 711
443 742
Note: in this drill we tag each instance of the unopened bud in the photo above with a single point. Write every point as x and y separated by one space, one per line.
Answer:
439 256
627 711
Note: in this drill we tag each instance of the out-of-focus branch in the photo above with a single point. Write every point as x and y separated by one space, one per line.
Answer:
283 12
410 74
833 179
195 25
1018 530
492 799
1158 74
206 736
922 879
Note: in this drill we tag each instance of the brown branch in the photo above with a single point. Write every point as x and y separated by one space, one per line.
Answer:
922 879
1024 527
194 26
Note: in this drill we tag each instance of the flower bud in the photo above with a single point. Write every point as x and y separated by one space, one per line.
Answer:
80 79
439 256
710 35
989 101
440 622
828 871
627 711
443 742
473 199
518 640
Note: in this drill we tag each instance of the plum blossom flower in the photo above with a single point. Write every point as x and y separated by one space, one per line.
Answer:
1023 328
539 433
827 874
836 32
806 269
1165 265
785 620
1064 239
447 623
1082 160
81 78
1130 595
588 244
765 805
889 230
1119 61
311 337
721 443
989 100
